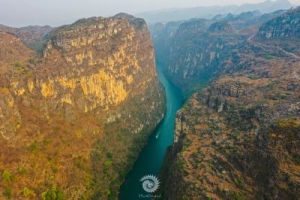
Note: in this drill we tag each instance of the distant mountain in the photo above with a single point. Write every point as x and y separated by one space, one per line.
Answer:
32 36
283 32
209 12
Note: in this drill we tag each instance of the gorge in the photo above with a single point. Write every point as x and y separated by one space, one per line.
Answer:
151 158
209 106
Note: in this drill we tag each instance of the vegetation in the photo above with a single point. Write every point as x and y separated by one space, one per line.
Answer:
55 193
26 192
7 176
7 193
17 64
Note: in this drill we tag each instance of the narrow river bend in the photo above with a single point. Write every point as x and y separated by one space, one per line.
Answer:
152 155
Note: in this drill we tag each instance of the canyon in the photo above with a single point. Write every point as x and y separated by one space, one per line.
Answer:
211 106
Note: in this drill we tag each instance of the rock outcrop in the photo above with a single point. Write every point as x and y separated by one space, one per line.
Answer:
282 32
285 26
221 26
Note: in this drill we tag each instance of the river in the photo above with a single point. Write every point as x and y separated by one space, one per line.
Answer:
152 155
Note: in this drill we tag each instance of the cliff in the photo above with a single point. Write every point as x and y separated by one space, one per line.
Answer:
221 26
282 32
287 25
198 51
162 37
237 137
74 119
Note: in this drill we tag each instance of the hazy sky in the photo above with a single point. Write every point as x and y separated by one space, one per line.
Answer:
56 12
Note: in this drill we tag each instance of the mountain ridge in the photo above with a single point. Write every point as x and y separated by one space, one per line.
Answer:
209 12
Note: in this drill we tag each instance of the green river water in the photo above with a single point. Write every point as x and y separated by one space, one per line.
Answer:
151 157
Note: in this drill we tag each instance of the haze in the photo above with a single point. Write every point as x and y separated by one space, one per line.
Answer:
19 13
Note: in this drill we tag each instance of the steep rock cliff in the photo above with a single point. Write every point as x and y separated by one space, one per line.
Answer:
287 25
238 137
74 120
162 36
282 31
199 50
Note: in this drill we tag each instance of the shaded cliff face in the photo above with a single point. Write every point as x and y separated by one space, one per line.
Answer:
248 19
282 31
221 26
198 50
162 36
238 138
287 25
74 120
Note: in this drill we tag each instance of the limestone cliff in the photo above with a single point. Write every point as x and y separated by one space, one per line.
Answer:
287 25
238 137
282 32
197 51
74 120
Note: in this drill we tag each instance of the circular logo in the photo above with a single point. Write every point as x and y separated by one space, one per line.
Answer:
150 183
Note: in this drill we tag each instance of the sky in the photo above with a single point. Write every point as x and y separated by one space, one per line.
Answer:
18 13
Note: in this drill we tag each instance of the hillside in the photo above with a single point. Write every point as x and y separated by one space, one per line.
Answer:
32 36
282 32
199 50
237 136
74 119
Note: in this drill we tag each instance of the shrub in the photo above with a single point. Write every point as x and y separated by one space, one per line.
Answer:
22 170
33 146
6 176
108 163
55 193
26 192
17 64
7 192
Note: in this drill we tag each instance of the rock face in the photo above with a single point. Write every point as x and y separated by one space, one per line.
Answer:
238 137
196 53
74 120
230 144
221 26
285 26
283 32
199 50
162 36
